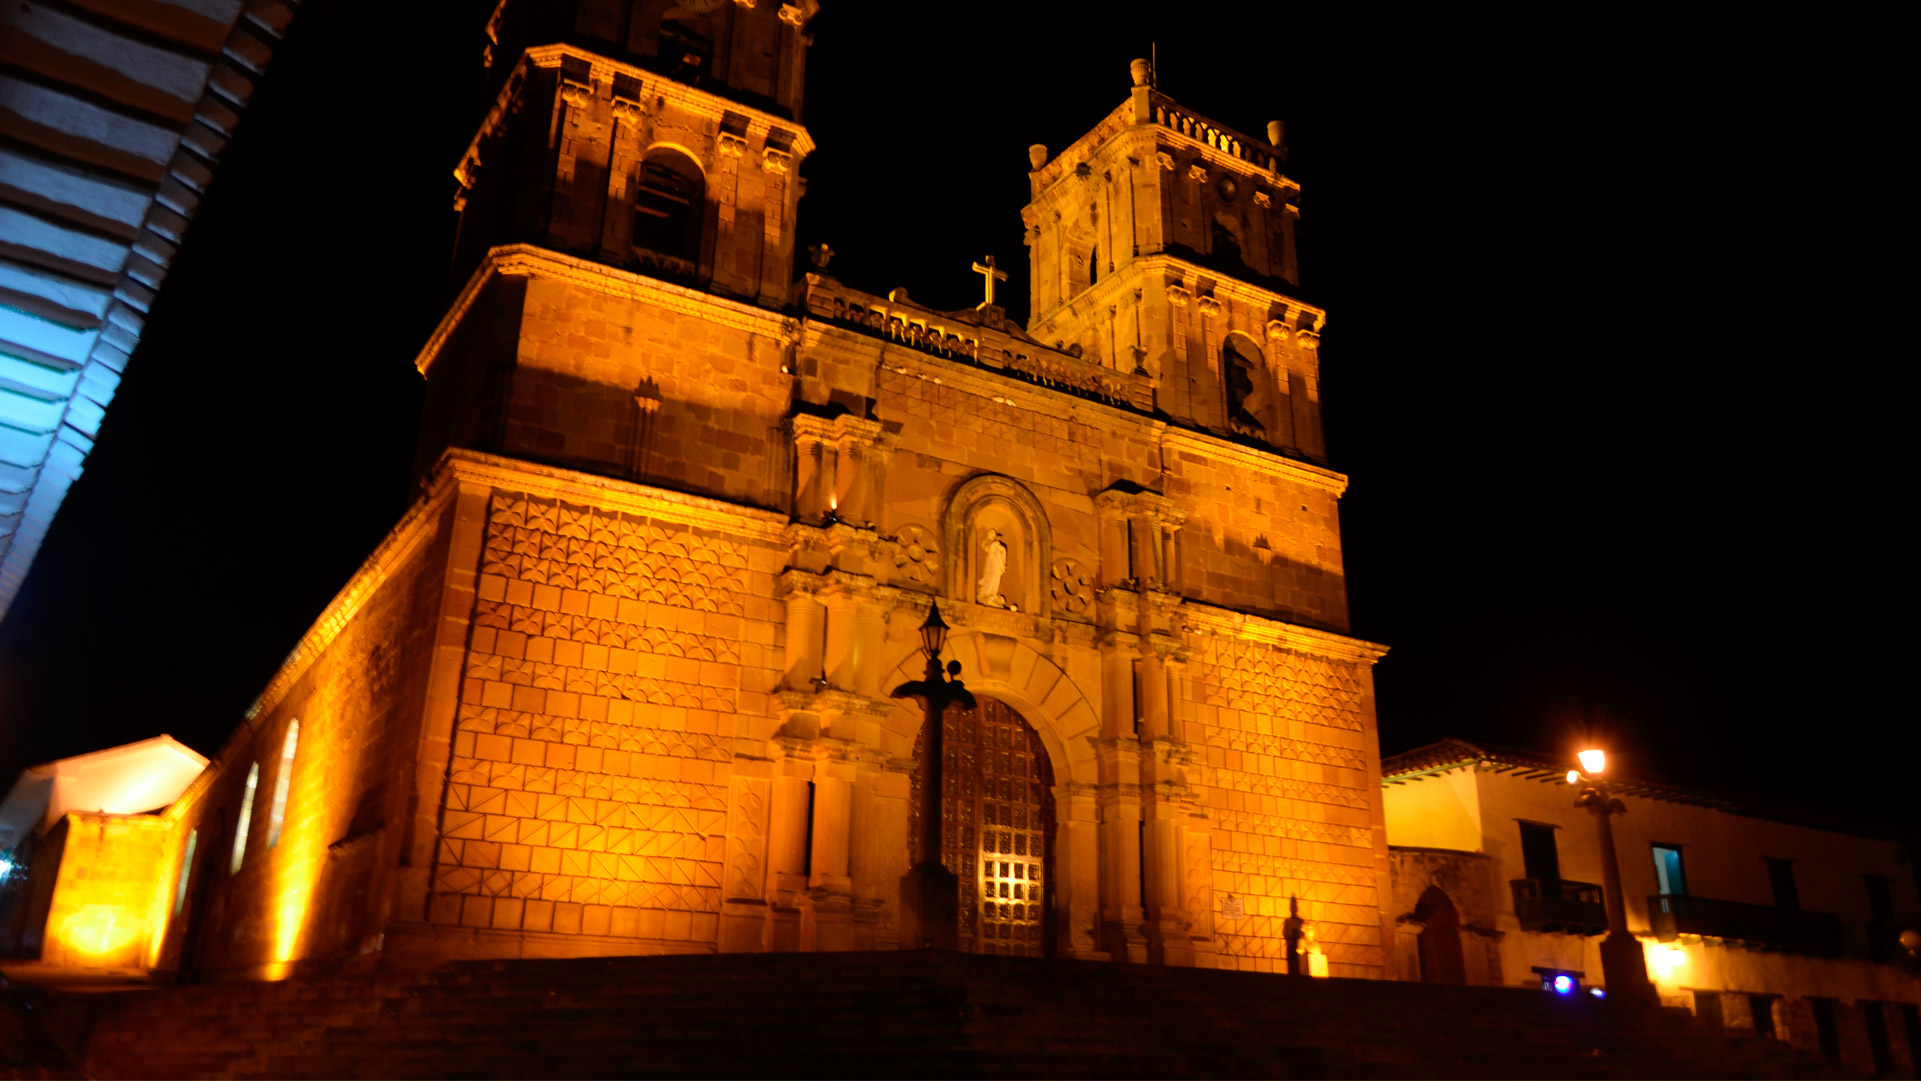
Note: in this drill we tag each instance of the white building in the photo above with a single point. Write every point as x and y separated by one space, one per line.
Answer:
1752 917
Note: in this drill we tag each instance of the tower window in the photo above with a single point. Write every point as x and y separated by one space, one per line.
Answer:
686 42
282 783
246 820
1093 265
1225 244
667 205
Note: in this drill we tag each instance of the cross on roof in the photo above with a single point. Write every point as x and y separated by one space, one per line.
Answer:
989 275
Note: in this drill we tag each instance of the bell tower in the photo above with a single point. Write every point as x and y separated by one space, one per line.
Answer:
647 135
1163 243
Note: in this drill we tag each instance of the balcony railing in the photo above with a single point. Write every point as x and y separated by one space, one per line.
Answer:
1763 926
1559 906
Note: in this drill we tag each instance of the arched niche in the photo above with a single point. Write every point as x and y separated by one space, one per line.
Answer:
670 200
1253 395
990 509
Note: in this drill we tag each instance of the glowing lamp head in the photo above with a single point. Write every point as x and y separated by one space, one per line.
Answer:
933 632
6 867
1597 992
1593 762
1911 940
1667 960
1563 985
1574 776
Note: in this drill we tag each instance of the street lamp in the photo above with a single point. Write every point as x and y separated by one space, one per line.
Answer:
929 892
1622 961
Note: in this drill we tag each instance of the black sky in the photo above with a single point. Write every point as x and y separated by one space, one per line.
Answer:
1620 459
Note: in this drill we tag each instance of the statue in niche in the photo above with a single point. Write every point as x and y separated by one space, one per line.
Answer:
1248 401
993 566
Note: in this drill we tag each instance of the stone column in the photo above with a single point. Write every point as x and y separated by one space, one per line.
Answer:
1152 677
1122 910
806 630
831 889
1076 890
854 490
815 467
787 844
1175 669
1165 921
841 657
870 634
1110 510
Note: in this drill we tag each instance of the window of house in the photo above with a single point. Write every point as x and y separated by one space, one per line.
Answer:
1781 876
1827 1033
1538 852
186 872
1667 870
282 783
1761 1009
1093 265
246 820
1880 899
1878 1046
667 204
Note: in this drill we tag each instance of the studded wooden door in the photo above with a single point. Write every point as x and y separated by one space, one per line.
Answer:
997 828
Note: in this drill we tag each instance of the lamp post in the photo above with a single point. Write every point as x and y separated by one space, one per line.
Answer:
1622 962
929 892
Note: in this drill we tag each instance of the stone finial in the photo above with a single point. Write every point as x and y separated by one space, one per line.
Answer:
1276 132
1037 155
1139 70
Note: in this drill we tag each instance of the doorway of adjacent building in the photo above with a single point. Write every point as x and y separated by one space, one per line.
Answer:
1440 939
997 828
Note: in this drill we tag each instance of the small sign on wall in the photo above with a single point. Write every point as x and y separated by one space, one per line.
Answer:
1232 906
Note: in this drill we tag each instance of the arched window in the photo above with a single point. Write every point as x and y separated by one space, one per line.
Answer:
1226 245
246 820
1250 404
282 782
667 205
186 872
1093 265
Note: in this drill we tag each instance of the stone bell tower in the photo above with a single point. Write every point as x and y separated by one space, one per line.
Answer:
644 134
1162 243
634 139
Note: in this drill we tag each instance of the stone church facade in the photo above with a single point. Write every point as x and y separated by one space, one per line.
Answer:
619 681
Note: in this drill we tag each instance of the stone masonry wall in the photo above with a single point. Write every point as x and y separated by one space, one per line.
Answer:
1284 735
610 657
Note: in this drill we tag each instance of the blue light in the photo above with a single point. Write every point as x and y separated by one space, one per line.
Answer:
1563 985
1597 992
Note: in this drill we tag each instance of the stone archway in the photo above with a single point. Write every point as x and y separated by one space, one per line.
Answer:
1440 938
1064 722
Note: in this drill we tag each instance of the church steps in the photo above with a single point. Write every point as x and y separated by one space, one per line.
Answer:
893 1014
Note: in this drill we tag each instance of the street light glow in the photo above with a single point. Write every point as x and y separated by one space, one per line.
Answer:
1574 776
1593 762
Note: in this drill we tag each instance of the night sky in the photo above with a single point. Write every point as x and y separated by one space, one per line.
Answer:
1617 466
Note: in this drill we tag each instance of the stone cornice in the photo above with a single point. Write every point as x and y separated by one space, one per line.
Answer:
1204 618
1259 461
1132 274
699 102
528 260
551 482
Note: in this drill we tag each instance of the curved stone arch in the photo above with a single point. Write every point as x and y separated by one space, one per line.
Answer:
1260 400
988 489
1014 672
691 154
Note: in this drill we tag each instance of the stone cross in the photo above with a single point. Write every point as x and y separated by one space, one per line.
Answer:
990 275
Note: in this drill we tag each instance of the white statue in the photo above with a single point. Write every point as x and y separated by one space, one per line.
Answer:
989 591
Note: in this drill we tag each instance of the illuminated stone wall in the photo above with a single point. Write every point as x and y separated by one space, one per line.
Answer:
104 900
611 656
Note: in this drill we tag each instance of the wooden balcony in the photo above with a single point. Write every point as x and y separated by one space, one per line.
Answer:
1559 906
1761 926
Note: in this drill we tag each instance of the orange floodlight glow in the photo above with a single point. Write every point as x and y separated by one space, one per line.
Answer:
100 930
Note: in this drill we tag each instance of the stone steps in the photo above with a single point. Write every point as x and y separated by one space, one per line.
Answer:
898 1014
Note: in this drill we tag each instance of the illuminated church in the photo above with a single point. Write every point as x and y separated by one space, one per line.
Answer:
619 682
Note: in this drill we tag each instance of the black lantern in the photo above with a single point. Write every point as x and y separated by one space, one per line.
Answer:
933 633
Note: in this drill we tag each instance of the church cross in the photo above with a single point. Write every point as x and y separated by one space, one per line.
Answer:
989 275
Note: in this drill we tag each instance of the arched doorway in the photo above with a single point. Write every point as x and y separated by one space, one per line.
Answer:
1440 939
997 828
